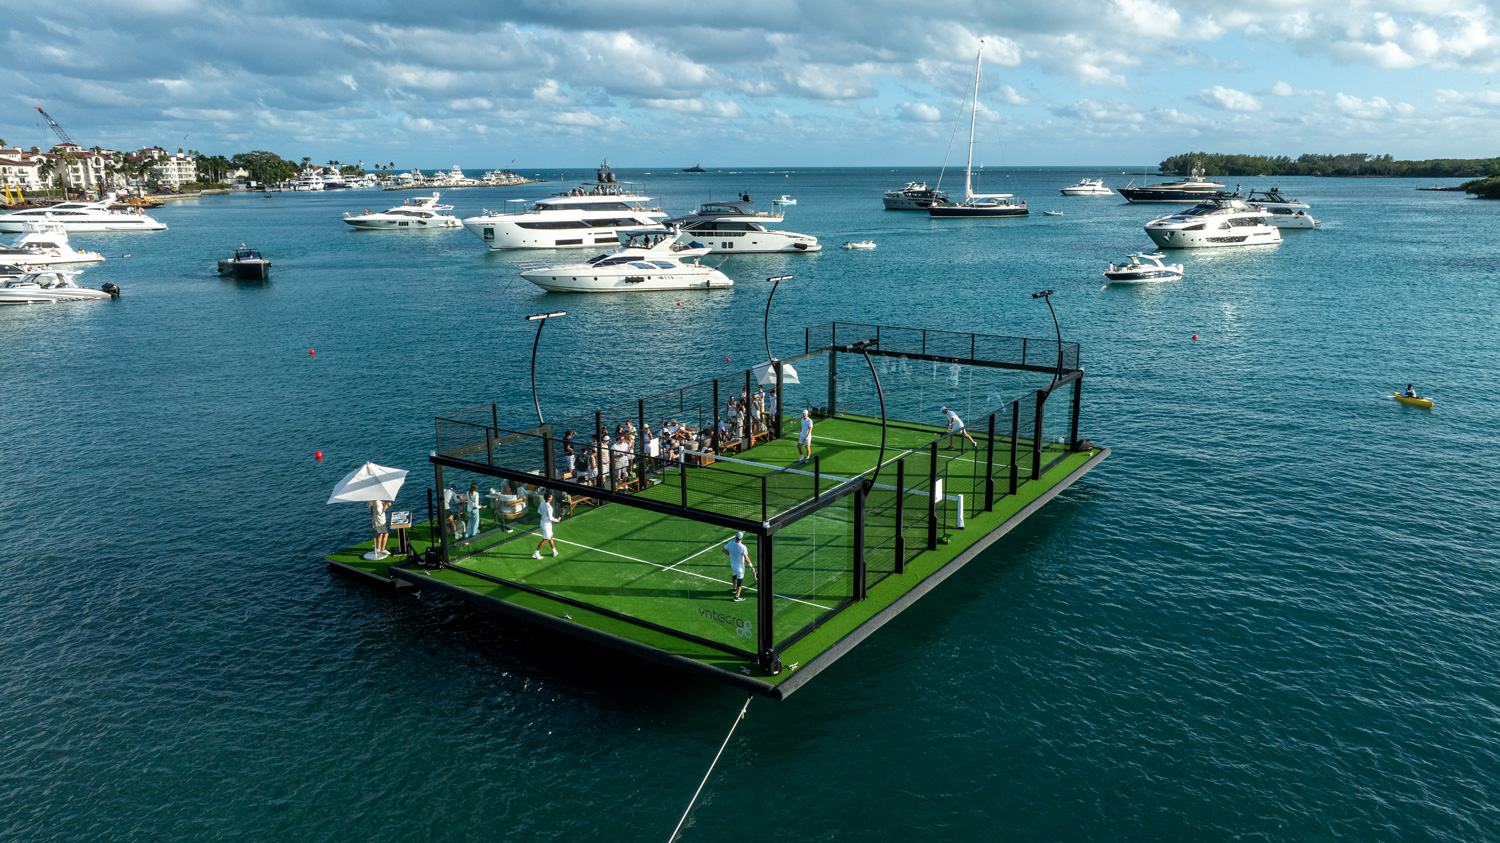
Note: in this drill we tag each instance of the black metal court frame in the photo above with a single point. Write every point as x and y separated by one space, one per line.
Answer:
888 533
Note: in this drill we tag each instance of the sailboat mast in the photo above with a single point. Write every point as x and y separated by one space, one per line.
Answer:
973 114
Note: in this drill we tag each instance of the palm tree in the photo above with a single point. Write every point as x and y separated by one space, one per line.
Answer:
46 171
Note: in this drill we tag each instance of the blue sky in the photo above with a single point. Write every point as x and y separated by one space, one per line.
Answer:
771 83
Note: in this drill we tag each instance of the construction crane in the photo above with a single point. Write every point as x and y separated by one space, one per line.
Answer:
58 130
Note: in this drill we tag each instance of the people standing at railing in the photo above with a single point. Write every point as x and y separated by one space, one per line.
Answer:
451 501
731 420
570 457
590 470
771 408
757 403
472 503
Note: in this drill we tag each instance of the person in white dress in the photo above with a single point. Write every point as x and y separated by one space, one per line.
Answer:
544 512
804 438
956 427
473 508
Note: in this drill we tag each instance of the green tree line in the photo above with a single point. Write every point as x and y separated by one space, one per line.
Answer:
1349 164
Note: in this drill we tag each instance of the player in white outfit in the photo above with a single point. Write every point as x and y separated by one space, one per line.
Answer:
804 439
738 553
956 427
548 519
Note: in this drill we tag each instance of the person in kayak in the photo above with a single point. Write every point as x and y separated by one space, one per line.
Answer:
1410 391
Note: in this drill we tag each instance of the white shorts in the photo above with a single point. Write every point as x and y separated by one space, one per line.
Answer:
737 568
805 439
546 530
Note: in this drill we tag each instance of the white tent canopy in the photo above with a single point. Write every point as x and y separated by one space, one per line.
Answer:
369 482
765 374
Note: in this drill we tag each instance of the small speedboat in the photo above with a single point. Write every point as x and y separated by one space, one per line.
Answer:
863 244
45 286
1052 213
246 265
1424 403
45 244
1144 269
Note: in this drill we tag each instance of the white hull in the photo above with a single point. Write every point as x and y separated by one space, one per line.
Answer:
1260 235
752 242
144 223
1292 220
372 223
641 281
508 232
1087 187
36 295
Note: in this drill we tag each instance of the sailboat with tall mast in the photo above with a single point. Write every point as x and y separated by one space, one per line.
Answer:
978 204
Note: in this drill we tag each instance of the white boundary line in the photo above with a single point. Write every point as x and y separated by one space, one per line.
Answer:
692 573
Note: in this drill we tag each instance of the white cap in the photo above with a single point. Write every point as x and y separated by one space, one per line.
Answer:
943 409
739 535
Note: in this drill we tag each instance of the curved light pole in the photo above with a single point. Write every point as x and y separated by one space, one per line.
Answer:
863 347
1047 294
541 320
766 326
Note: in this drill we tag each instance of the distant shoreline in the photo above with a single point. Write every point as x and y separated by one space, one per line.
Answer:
1349 165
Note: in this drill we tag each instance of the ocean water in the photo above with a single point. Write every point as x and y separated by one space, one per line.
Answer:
1271 614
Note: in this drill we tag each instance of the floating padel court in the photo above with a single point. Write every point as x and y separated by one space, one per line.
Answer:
838 544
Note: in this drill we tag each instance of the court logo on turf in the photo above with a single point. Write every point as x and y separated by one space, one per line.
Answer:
742 627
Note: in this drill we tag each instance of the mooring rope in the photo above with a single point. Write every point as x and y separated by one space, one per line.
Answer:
710 772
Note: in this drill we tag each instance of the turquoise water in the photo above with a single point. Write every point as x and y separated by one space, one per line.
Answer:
1269 615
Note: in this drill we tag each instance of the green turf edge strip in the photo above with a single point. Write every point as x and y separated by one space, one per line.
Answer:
828 656
686 664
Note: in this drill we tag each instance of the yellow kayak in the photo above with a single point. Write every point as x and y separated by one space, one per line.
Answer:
1424 403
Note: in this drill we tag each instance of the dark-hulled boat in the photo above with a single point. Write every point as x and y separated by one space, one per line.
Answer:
1193 189
246 265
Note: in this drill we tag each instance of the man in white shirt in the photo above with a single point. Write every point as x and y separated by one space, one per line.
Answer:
544 511
804 439
738 554
771 406
955 428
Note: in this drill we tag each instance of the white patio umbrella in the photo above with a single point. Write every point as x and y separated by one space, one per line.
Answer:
369 482
765 374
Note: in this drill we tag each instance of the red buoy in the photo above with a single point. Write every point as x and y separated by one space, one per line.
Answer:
319 455
1195 336
311 352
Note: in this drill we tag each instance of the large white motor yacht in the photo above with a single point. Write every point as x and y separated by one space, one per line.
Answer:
648 259
80 216
581 218
45 244
45 286
414 214
308 180
1144 268
1212 224
1087 187
1284 217
731 227
1273 198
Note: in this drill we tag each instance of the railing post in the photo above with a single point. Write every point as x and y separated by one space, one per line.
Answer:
442 519
780 411
494 415
601 453
817 475
745 417
1077 402
971 346
1015 435
682 481
989 468
640 461
900 542
718 446
1036 437
549 456
924 340
763 498
489 445
1023 351
860 577
932 500
833 380
765 609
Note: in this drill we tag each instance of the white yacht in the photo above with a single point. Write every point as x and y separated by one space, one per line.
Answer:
308 180
1087 187
1144 268
1194 188
45 244
731 227
80 216
1283 217
915 196
586 216
1273 198
414 214
1212 224
45 286
648 259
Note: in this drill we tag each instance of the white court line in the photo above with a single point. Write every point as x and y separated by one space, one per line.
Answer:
698 554
692 573
892 459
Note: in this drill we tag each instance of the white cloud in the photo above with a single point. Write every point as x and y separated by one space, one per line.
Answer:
1282 89
1228 99
1356 107
918 112
349 80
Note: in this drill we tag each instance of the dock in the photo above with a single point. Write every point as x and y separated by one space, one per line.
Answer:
838 548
